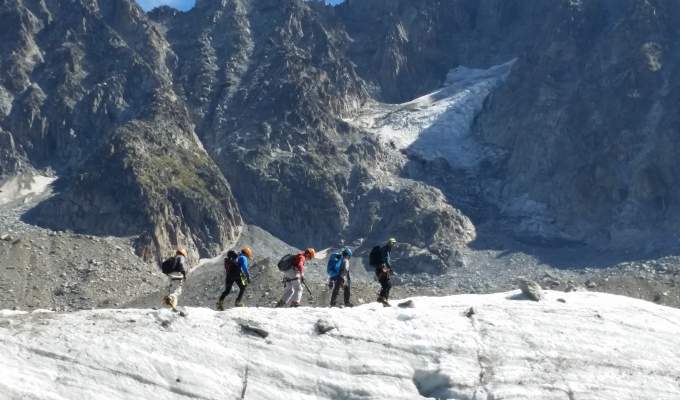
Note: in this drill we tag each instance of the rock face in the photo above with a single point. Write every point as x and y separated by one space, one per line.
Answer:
585 125
152 120
86 92
594 346
146 138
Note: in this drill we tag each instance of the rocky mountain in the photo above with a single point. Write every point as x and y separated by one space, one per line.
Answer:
483 123
88 95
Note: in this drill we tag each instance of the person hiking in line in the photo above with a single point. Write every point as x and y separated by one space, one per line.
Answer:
338 272
171 267
380 259
293 267
236 268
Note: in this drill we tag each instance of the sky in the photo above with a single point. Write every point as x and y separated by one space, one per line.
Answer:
183 4
178 4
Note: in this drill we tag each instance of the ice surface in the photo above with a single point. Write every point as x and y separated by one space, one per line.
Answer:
592 346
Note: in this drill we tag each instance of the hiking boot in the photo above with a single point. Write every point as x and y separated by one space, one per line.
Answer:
170 301
383 301
295 304
279 304
238 304
349 305
220 305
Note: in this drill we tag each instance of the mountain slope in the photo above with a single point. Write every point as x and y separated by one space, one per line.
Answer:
88 95
588 346
493 122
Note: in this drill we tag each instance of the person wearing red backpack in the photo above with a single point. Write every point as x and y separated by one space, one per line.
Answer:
236 268
294 278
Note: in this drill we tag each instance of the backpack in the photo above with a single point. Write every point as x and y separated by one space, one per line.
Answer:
286 262
229 265
334 265
168 266
375 257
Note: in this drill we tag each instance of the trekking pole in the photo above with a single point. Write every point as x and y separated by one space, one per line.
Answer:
310 292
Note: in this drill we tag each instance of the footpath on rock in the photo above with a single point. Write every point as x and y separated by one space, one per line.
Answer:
576 345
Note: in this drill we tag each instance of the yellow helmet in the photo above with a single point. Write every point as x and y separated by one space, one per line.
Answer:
310 253
181 250
247 251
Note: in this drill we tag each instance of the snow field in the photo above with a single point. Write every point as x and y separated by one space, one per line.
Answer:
19 187
591 346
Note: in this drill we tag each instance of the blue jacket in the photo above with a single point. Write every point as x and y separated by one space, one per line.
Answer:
243 263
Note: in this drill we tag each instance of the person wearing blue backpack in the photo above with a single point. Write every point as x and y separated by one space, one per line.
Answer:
338 272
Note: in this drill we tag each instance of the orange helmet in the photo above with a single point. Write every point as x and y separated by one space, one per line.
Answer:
310 253
181 250
247 251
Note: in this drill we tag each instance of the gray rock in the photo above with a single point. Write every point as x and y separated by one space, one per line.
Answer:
407 304
254 330
324 326
531 289
470 312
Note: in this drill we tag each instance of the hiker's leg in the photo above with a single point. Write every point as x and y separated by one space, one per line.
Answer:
388 286
241 291
334 293
347 293
297 291
227 288
287 293
384 286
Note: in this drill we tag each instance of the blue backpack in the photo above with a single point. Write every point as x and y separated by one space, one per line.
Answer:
334 265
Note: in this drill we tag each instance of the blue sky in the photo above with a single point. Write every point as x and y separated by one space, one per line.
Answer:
183 4
178 4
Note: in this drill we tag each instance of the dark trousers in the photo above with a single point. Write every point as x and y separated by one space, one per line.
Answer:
385 285
337 283
231 279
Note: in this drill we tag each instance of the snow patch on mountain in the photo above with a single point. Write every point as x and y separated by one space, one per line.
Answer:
571 346
23 188
438 124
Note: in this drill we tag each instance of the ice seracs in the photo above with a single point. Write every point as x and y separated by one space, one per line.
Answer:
438 124
576 345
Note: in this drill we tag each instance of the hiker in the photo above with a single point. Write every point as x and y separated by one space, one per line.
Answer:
338 272
380 259
294 277
171 267
236 268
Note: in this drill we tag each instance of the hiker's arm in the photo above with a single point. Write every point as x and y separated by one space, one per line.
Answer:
243 263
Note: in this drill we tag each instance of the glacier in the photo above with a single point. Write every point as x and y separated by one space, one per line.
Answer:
438 124
578 345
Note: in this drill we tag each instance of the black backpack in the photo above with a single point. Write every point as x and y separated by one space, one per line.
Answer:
286 262
168 265
375 257
230 266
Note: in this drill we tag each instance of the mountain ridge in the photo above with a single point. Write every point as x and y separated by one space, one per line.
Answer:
252 100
